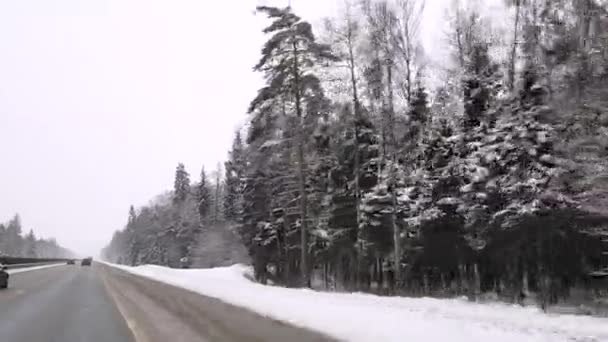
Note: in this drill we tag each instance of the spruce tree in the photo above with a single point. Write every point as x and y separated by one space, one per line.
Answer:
132 215
30 245
181 186
480 84
419 111
263 145
233 174
203 196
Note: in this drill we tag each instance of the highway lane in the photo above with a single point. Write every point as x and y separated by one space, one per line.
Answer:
105 304
60 304
158 312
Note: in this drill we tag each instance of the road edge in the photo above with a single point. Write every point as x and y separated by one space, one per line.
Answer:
137 333
283 325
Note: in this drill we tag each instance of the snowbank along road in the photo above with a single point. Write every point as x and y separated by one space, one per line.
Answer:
357 317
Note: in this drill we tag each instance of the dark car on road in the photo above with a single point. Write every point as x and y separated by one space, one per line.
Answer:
71 262
86 262
3 277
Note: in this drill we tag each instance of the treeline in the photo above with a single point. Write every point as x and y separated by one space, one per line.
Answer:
174 227
14 244
367 167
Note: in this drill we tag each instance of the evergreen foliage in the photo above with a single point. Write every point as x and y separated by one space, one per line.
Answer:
493 180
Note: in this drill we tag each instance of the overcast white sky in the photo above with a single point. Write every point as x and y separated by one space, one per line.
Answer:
99 101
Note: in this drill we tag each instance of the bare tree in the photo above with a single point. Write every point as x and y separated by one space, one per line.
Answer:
465 29
347 33
409 15
513 53
384 26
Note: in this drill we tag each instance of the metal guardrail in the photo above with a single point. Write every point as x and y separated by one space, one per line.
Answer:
18 262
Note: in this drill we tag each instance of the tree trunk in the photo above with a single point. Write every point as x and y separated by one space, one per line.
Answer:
513 57
525 289
357 112
392 181
541 278
326 275
408 75
281 263
217 197
381 275
583 50
305 276
477 289
459 43
463 276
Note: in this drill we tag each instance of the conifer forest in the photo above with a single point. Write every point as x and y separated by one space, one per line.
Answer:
364 167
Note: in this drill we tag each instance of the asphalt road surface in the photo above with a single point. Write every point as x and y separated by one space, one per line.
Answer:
101 303
60 304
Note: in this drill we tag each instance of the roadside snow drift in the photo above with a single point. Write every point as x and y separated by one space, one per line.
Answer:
369 318
32 268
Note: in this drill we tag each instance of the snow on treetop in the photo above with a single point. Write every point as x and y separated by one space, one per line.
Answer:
449 201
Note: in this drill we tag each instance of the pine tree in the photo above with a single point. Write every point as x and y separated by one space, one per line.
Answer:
181 185
287 61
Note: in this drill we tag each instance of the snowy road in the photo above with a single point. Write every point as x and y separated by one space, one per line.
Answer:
59 304
103 304
158 312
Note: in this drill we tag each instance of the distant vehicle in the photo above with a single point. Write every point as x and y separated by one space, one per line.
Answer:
71 262
86 261
3 277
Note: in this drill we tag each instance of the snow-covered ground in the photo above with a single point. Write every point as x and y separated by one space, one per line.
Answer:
33 268
369 318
